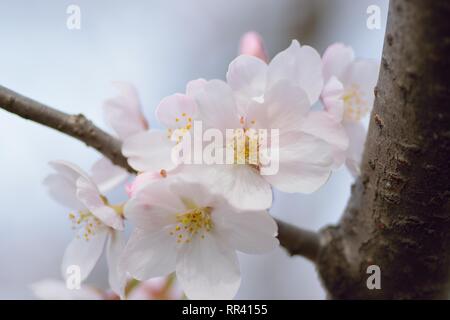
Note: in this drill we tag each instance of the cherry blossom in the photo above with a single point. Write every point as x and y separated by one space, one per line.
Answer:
252 44
96 222
183 227
348 96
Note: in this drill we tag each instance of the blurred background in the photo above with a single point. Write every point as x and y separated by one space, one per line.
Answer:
158 46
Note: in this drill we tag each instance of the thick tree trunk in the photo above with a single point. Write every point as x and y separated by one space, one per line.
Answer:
398 216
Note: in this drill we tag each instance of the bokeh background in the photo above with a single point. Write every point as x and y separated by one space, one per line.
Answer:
158 46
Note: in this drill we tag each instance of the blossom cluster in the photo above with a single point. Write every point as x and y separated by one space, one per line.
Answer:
191 219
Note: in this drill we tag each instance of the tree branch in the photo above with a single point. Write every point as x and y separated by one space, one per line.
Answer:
76 126
295 240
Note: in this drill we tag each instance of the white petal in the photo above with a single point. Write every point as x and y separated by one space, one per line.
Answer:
51 289
149 254
84 254
208 269
332 98
175 110
336 60
357 135
123 113
62 185
217 107
149 151
106 175
284 108
302 66
305 164
153 206
364 75
247 77
242 186
252 232
89 195
194 87
114 248
324 126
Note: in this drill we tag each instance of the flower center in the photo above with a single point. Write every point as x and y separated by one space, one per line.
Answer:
184 122
245 144
195 222
85 223
355 106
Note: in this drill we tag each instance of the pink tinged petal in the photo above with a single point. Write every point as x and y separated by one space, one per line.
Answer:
51 289
194 87
284 108
149 254
302 66
106 175
149 151
89 195
247 77
252 232
217 107
324 126
62 185
242 186
363 74
208 269
305 164
175 110
332 98
357 135
123 113
252 44
84 254
141 181
117 278
154 206
336 59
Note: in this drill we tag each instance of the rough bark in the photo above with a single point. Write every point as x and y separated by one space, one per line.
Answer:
398 216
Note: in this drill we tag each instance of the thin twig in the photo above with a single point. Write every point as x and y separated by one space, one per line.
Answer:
295 240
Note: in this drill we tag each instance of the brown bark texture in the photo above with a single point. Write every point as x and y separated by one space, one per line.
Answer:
398 216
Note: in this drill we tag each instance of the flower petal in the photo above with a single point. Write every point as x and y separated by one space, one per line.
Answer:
302 66
194 87
284 108
114 248
106 175
62 185
149 254
153 206
208 269
332 98
149 151
89 195
123 113
323 125
84 253
217 107
357 135
252 232
336 60
305 164
175 110
247 77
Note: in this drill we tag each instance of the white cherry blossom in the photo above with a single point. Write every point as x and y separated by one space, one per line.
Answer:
182 227
348 97
97 224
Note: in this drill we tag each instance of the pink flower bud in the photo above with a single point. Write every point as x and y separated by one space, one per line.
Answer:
252 44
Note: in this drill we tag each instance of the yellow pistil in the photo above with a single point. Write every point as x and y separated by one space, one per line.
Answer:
246 147
192 223
355 106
